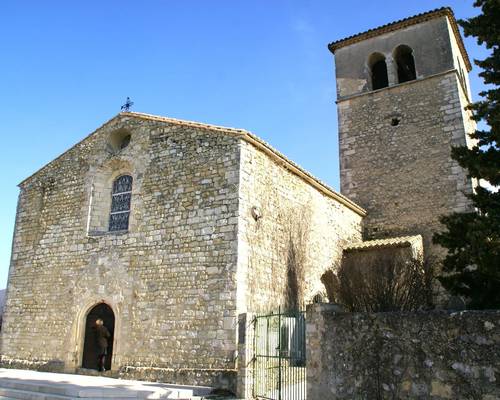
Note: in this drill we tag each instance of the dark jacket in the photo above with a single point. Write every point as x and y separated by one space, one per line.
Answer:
101 337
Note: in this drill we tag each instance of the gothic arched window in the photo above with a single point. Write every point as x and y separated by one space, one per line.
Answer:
378 71
120 203
403 55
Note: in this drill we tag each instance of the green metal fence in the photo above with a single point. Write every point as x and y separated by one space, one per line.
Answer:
280 356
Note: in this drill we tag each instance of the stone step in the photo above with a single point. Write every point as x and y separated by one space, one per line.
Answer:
197 392
72 391
29 395
62 389
9 393
31 385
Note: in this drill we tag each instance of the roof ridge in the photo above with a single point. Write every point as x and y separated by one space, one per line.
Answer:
182 121
401 23
244 134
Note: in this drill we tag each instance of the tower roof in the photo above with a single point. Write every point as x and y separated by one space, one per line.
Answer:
403 23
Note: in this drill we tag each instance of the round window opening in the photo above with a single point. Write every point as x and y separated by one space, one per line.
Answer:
119 139
125 142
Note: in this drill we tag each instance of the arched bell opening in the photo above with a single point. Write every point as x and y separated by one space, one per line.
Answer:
405 62
378 71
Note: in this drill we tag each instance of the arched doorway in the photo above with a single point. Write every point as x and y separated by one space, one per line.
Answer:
90 351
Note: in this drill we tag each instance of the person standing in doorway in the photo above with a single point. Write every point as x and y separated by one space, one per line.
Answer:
101 335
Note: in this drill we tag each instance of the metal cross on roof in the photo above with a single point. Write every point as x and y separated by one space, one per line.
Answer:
126 107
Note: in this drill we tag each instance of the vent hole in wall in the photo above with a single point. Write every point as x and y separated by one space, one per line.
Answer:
395 121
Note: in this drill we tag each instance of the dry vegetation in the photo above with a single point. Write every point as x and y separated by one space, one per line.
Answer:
382 282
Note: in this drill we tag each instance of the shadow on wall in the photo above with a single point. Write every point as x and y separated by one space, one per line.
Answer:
2 304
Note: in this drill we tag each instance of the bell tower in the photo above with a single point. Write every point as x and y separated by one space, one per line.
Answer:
401 93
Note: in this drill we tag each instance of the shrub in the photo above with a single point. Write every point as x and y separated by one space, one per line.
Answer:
382 282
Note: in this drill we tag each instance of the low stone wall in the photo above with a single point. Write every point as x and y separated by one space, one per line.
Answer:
221 379
35 365
215 378
424 355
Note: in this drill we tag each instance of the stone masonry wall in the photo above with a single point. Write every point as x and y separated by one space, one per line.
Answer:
170 279
299 235
289 234
403 175
435 355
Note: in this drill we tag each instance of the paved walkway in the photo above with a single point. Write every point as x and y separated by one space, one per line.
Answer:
24 384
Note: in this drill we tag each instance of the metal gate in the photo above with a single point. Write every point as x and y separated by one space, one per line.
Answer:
280 356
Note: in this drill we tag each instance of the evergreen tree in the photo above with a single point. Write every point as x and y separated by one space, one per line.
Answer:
472 265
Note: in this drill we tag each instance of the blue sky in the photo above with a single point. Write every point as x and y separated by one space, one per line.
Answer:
260 65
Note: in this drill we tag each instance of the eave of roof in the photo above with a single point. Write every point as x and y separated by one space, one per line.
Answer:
243 134
401 241
403 23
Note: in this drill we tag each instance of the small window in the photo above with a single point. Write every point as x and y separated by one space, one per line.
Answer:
403 55
378 71
120 203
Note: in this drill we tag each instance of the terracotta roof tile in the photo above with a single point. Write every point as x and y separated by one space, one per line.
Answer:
400 241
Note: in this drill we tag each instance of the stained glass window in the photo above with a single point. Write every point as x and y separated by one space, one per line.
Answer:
120 203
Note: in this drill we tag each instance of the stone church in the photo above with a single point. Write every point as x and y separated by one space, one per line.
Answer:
172 230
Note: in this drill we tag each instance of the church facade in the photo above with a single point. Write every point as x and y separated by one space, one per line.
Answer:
170 230
179 228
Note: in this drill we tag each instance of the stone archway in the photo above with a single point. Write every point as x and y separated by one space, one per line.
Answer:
90 351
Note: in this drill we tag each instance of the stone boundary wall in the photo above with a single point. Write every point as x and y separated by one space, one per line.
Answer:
422 355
